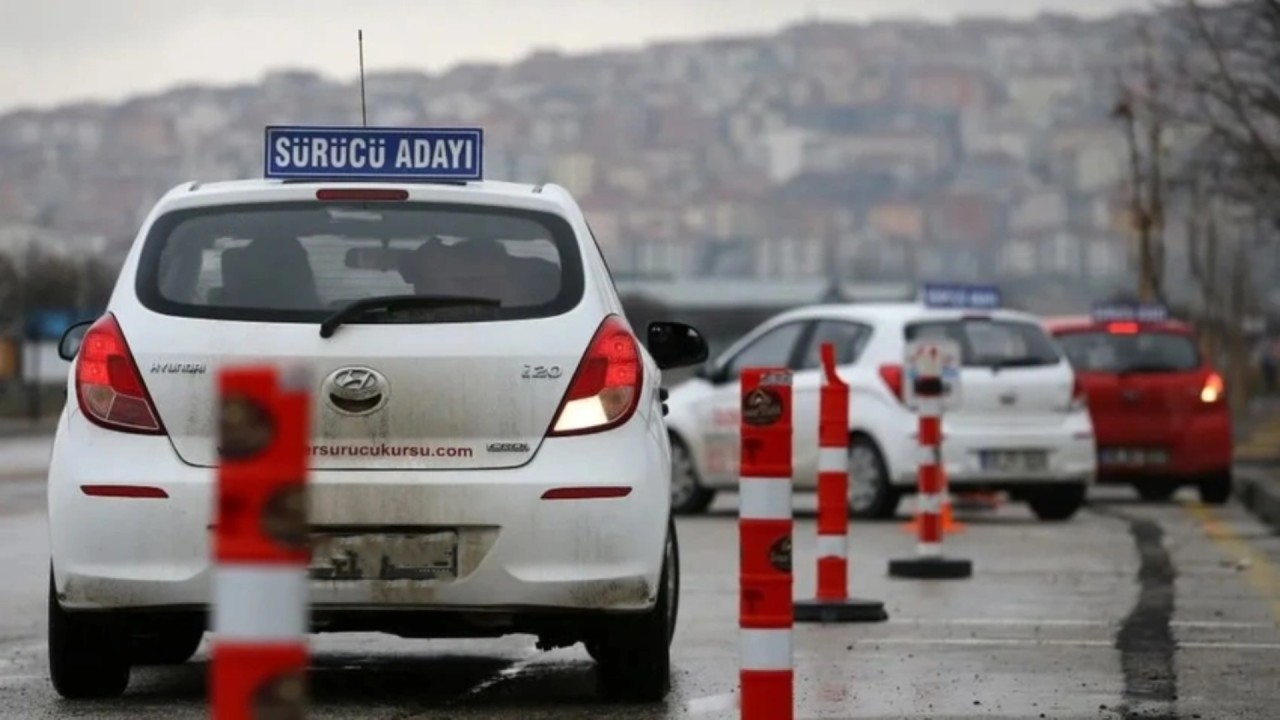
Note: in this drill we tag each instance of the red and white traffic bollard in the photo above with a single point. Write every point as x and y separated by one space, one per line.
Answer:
832 603
929 563
260 619
764 537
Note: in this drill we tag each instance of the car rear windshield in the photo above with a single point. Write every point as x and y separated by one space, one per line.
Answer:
1139 352
991 343
301 262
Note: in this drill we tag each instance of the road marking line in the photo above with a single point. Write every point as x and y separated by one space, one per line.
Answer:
989 642
1261 574
1031 642
1067 622
1227 646
712 703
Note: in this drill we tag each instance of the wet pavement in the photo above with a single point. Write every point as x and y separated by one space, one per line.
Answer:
1129 610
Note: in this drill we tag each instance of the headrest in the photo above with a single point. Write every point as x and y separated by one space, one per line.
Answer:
414 264
269 273
262 255
480 250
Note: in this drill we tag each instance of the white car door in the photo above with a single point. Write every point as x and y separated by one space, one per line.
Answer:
775 347
848 339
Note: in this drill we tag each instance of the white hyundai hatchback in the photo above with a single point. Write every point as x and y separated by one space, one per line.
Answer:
476 381
1021 425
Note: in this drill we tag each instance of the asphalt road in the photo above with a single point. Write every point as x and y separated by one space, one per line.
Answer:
1129 610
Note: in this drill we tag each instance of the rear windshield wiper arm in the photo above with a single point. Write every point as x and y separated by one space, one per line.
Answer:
1133 369
393 302
999 365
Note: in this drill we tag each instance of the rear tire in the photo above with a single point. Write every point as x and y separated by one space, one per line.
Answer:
688 496
1217 489
86 654
1057 503
633 656
1155 493
871 495
171 648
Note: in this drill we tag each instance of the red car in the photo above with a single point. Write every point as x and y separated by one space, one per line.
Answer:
1159 408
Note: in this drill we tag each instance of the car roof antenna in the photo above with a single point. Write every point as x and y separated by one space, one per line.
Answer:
364 115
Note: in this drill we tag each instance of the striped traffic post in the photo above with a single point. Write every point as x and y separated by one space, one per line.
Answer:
832 602
950 526
764 538
260 620
928 391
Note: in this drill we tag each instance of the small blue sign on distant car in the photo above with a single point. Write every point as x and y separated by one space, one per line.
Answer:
966 297
364 153
1129 312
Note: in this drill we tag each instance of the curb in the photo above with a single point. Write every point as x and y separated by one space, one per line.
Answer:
1259 491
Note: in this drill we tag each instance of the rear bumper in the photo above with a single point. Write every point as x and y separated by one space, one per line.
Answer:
516 551
1069 447
1199 447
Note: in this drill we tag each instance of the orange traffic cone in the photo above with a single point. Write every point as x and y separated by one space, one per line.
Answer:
949 522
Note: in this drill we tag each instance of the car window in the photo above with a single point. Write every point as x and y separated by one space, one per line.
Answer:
991 343
849 339
299 262
772 349
1141 352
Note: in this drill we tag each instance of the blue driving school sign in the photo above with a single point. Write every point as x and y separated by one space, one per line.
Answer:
1132 312
364 153
961 297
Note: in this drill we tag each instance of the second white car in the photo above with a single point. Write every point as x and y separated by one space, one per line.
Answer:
1021 427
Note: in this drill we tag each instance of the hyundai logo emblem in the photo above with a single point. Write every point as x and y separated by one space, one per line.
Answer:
356 390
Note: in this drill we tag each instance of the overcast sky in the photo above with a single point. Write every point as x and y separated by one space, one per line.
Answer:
58 51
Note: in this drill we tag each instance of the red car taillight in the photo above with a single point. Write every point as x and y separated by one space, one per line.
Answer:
109 387
1078 399
605 390
892 376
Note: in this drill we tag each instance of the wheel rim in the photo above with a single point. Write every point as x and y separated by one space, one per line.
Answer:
683 482
864 478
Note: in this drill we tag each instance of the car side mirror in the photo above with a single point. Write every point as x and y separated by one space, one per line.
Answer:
69 345
675 345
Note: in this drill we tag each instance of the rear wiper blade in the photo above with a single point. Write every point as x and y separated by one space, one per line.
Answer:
1134 369
395 302
999 365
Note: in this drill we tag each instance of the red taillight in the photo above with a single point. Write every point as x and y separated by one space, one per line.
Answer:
892 376
605 390
1078 398
1123 328
362 194
1214 389
109 387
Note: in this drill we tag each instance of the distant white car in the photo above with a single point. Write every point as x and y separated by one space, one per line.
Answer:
488 431
1022 425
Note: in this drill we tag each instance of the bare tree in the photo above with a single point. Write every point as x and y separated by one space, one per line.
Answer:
1220 247
1229 67
1140 108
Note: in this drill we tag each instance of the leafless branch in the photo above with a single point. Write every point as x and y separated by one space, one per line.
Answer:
1233 94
